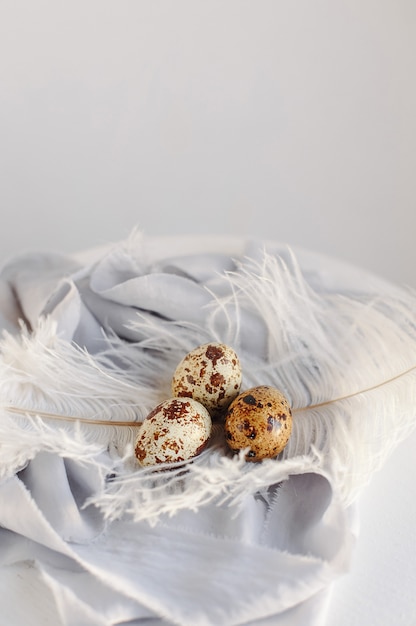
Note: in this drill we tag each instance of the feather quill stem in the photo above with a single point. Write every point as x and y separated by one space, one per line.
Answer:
129 423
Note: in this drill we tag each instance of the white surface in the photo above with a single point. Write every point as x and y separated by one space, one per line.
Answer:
380 589
288 120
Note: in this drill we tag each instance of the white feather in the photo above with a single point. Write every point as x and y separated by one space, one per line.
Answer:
345 362
48 386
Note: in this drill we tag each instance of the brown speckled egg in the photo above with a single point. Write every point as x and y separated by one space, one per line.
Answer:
176 430
259 419
211 374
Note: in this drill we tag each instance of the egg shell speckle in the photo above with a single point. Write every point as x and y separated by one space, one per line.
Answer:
260 419
176 430
211 374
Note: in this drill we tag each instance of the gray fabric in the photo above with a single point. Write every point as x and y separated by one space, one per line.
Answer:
272 563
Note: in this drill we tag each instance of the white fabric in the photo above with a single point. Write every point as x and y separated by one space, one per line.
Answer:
271 561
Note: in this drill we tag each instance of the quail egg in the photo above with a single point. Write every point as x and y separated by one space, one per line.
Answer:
211 374
176 430
259 419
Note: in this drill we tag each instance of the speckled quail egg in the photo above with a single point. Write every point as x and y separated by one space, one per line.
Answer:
211 374
259 419
176 430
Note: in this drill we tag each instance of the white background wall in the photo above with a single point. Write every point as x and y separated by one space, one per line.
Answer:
286 119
